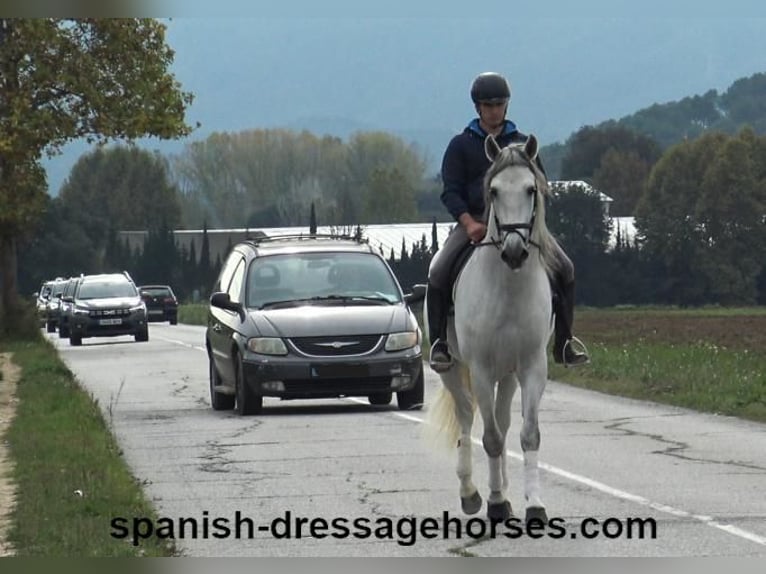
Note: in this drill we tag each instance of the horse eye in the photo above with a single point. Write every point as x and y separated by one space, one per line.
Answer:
493 191
531 190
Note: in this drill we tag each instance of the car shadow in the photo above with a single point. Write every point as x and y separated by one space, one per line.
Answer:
342 407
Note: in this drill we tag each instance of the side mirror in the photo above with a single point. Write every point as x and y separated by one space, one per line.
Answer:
223 301
417 295
67 299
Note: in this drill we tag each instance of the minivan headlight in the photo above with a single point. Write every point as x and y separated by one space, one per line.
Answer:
267 346
401 341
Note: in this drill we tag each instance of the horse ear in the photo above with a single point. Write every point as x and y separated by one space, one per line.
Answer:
530 147
491 148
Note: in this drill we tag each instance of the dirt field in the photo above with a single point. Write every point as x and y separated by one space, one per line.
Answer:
737 330
9 375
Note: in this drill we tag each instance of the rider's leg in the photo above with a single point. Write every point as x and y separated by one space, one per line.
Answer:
438 297
563 285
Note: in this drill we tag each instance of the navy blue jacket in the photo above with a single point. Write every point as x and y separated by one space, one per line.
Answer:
464 165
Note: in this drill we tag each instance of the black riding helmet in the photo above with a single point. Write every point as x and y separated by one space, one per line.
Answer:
490 87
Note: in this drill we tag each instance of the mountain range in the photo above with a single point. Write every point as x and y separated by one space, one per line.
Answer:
411 77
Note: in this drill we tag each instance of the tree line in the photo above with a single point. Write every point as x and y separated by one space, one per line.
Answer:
700 216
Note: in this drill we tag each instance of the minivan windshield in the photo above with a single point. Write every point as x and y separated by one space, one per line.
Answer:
320 278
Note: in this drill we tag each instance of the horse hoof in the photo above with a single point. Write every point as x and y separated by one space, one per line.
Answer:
471 504
499 511
538 514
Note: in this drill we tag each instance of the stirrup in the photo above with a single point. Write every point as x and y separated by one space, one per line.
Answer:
436 365
582 353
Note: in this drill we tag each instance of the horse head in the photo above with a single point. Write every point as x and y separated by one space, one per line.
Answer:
514 188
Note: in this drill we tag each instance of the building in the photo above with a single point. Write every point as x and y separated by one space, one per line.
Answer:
385 237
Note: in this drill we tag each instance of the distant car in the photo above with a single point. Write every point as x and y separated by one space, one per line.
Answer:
161 303
43 296
52 310
65 306
107 305
310 318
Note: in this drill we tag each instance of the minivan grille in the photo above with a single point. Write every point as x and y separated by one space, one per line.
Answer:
336 346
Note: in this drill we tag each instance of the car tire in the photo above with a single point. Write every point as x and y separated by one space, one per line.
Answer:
412 400
75 340
63 332
142 336
247 402
219 401
50 327
380 399
174 320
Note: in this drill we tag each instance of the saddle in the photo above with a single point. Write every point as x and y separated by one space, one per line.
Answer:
457 268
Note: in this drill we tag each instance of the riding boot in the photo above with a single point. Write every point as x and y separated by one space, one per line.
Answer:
563 307
437 304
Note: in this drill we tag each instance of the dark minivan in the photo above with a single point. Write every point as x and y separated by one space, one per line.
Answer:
310 317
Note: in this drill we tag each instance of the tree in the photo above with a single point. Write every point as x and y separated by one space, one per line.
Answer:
313 220
586 149
131 186
98 79
622 176
390 197
577 219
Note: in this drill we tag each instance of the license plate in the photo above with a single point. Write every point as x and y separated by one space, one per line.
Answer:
156 311
339 371
110 322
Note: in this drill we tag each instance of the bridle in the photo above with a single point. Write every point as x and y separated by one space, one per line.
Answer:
506 228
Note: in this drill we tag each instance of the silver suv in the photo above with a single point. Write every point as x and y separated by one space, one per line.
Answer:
310 317
107 305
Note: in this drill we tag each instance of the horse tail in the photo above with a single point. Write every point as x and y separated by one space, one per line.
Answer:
443 428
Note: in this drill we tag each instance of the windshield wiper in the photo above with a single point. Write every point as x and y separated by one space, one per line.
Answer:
334 297
377 298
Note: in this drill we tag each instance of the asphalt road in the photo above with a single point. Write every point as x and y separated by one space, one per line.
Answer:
700 478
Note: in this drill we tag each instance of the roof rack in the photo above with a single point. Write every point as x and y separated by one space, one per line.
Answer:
269 239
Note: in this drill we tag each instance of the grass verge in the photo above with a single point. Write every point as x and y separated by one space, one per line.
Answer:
70 476
709 359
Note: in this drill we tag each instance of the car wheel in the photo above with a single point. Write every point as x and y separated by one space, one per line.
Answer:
219 401
63 332
75 340
380 399
247 402
174 320
412 400
142 336
50 327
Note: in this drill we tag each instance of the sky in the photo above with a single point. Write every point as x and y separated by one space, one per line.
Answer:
340 70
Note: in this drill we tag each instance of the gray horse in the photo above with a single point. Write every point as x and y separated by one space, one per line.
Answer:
500 331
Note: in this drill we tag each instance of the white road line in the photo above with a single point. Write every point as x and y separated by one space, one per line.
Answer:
589 482
181 343
615 492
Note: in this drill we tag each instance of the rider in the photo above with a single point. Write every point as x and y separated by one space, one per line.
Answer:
463 168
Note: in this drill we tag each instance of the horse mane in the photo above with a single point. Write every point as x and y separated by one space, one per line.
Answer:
514 155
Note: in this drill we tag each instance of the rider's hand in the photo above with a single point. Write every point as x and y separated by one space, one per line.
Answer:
476 230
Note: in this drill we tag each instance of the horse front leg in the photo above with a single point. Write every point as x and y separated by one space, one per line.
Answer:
533 383
506 388
498 507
